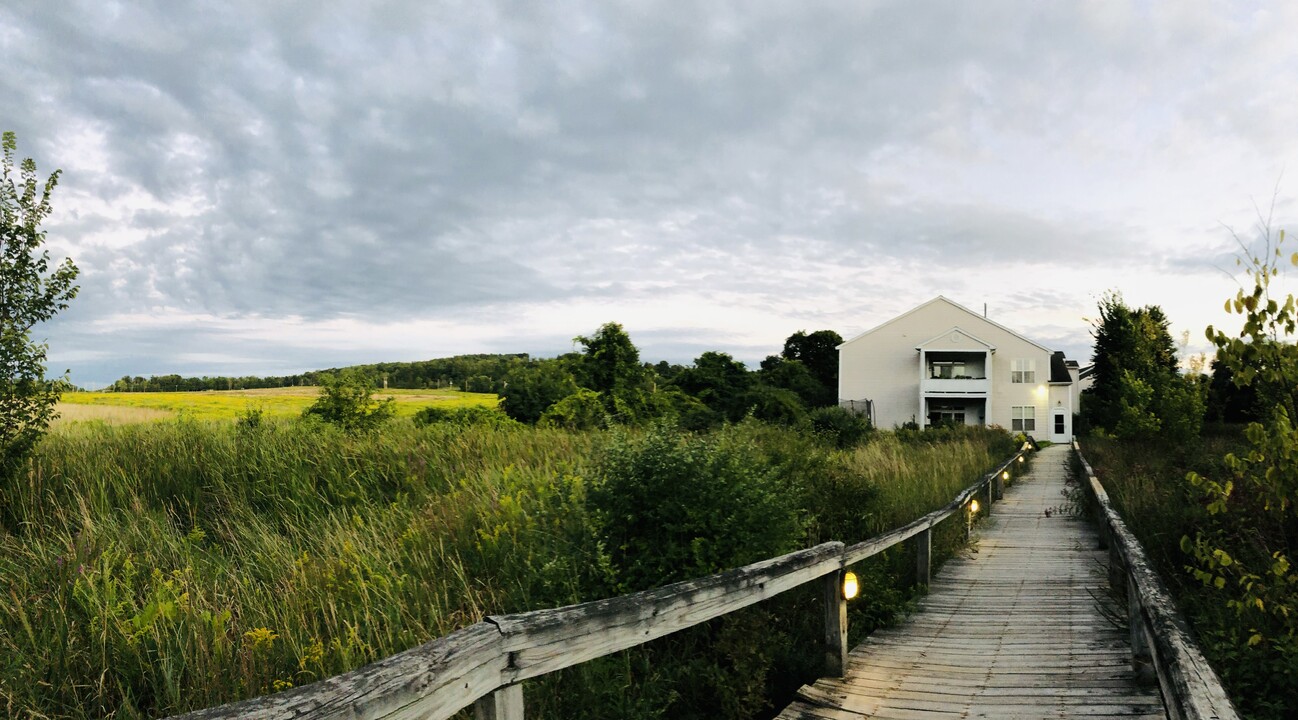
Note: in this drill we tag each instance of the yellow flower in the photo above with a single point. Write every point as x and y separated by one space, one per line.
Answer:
312 655
261 638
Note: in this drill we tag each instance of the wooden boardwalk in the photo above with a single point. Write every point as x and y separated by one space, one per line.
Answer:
1013 630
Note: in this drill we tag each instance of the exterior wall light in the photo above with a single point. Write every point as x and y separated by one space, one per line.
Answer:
851 587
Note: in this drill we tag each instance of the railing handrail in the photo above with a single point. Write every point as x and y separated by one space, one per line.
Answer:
443 676
1191 688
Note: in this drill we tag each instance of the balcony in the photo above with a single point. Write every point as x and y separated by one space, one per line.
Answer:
976 387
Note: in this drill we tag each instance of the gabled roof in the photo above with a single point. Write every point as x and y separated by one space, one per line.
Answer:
1087 371
945 335
952 303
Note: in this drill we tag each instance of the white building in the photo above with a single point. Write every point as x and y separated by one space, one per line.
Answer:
942 362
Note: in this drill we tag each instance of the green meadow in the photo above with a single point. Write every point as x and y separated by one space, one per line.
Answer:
153 568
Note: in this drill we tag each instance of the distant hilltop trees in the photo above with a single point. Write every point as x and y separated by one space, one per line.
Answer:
471 373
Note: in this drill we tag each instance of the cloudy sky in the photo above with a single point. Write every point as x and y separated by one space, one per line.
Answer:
263 187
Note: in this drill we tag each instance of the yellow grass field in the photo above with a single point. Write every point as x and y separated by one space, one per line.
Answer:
121 408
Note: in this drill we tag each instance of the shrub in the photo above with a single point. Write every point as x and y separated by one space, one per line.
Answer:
689 412
529 391
670 506
582 410
346 401
775 405
472 416
841 426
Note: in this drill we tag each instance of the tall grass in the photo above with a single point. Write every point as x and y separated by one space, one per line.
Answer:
158 568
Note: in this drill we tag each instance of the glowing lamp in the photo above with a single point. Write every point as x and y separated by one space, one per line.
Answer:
973 507
1020 458
850 586
1005 475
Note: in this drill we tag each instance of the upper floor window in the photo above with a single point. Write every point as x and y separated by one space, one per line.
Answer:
1023 371
1023 418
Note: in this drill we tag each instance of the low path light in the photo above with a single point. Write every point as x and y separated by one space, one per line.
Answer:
851 586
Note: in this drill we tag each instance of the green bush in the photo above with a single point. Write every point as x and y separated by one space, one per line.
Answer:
775 405
582 410
346 400
472 416
529 391
671 506
843 427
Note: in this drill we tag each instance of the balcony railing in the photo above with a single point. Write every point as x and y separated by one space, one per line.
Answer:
956 386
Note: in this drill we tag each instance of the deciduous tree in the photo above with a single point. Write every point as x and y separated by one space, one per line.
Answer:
30 293
1248 548
529 391
819 352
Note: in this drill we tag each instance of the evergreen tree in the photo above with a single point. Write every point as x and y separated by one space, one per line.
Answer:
1126 341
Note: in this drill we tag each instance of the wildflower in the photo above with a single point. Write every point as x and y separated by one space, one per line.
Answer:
261 638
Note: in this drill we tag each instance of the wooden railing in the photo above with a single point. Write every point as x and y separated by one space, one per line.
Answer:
1160 640
484 664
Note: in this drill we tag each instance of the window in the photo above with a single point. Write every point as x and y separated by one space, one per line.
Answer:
1023 418
939 414
947 370
1023 371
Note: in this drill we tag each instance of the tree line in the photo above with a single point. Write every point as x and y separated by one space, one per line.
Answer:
607 383
471 373
1140 390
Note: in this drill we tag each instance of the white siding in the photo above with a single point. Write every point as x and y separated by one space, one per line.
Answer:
883 365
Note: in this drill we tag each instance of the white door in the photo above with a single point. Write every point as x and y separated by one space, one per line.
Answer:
1059 422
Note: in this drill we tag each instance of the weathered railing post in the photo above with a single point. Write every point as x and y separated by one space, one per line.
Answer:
1117 569
503 704
1142 663
924 556
991 494
835 625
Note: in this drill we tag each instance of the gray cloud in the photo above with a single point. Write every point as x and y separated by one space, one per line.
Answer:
415 160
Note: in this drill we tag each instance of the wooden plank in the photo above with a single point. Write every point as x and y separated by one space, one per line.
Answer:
862 550
1010 631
